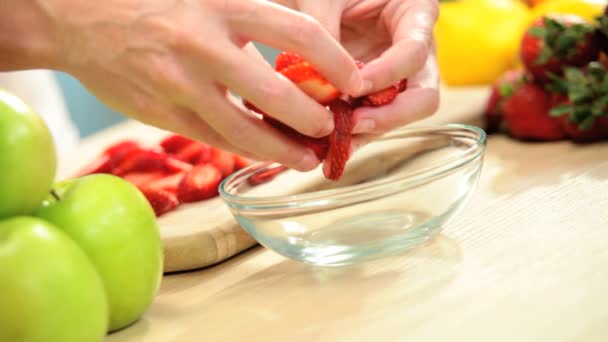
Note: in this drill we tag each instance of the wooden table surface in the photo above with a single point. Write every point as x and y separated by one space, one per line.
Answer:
527 260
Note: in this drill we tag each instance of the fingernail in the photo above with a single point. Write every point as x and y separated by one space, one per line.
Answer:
355 82
329 127
364 126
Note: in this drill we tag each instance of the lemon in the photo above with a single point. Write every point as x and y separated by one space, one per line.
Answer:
477 40
587 9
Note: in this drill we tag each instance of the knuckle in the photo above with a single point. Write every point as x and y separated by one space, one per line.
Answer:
304 30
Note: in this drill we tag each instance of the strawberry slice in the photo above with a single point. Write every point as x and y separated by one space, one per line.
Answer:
173 165
144 160
110 157
175 142
309 80
266 176
381 97
286 59
223 160
195 153
139 179
339 139
161 201
199 184
166 182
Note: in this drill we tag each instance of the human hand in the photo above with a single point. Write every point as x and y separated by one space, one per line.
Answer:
395 40
173 64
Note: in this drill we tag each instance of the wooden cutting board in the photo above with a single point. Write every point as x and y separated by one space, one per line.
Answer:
205 233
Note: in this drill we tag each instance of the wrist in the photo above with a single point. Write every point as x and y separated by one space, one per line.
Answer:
27 39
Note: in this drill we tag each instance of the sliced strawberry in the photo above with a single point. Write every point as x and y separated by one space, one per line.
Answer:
381 97
318 145
199 184
266 176
285 59
223 160
144 160
402 85
139 179
175 142
310 81
173 165
166 182
339 139
194 153
161 201
101 164
122 147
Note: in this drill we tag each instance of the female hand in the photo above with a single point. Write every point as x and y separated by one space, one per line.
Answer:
173 64
395 40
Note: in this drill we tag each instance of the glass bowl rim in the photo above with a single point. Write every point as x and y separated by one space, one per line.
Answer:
320 197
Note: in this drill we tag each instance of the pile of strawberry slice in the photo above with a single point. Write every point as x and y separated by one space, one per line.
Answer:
561 92
334 148
176 170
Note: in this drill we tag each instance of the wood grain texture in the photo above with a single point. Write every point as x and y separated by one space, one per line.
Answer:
204 233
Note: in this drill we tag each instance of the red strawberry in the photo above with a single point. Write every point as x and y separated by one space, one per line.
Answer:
161 201
266 176
554 41
194 153
339 139
173 165
174 142
381 97
285 59
143 160
318 145
110 157
223 160
526 113
199 184
139 179
166 182
581 102
502 89
310 81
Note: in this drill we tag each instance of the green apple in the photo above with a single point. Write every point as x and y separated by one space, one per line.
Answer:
27 157
49 288
115 225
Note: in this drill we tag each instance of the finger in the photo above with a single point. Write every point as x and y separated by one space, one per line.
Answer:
251 134
251 50
418 101
411 25
274 94
327 13
286 29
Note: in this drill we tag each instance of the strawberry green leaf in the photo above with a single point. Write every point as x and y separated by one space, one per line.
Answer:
560 110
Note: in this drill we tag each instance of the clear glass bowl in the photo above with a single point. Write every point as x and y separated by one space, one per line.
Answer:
395 193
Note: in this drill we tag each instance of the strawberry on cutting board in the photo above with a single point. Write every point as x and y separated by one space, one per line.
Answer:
555 41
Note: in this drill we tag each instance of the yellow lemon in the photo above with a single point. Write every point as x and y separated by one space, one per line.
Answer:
588 9
477 40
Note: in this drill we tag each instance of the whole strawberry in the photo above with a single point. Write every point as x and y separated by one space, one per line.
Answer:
501 90
580 102
555 41
526 114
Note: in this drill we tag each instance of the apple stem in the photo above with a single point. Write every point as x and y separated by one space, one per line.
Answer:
55 195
